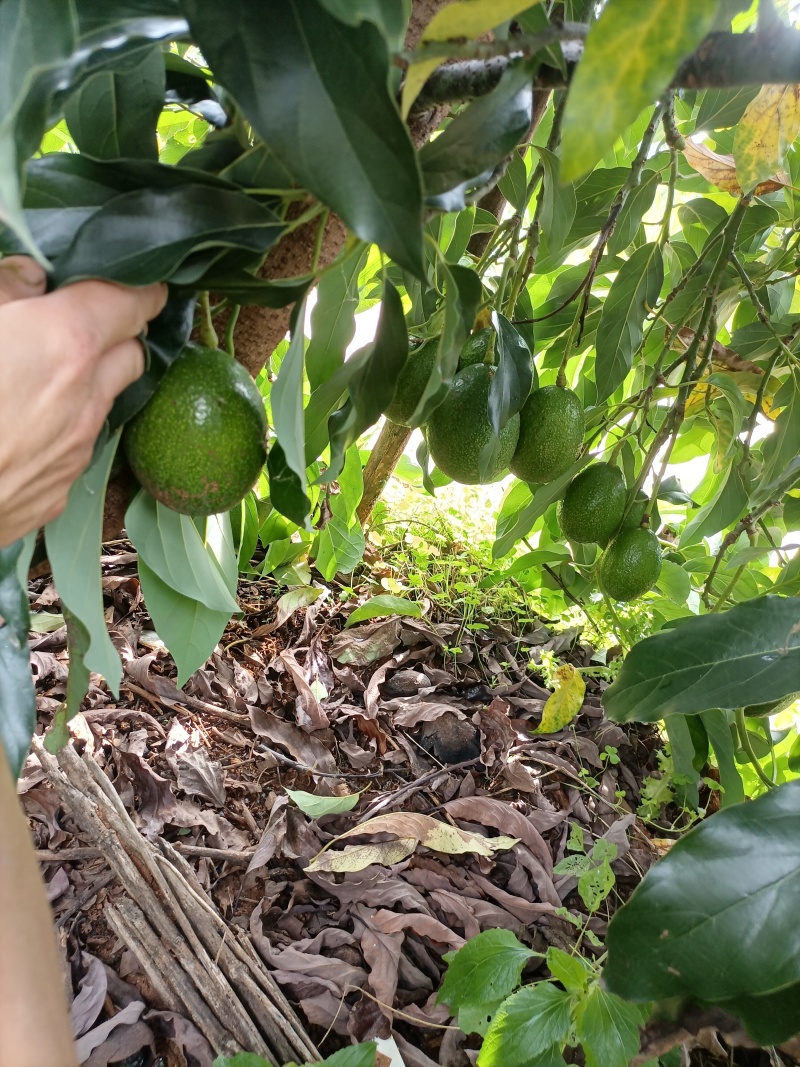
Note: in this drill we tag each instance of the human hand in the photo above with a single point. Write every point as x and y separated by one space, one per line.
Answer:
64 357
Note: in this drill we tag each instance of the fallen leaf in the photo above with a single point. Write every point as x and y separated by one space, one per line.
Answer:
315 806
357 857
307 708
287 605
720 170
303 747
419 829
770 124
565 703
363 646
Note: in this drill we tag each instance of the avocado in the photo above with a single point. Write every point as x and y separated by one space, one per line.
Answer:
551 430
459 429
411 383
630 565
475 348
198 446
593 505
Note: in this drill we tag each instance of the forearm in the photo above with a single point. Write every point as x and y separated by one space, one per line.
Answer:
34 1023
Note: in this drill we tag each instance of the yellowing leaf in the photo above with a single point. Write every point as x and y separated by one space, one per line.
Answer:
413 830
631 54
468 19
562 707
721 170
766 130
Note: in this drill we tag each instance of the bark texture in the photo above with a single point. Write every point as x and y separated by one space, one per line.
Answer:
383 459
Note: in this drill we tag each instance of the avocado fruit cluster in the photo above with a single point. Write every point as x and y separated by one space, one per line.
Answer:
198 445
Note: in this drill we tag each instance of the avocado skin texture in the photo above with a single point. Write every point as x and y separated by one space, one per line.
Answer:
460 427
475 348
630 565
198 445
551 431
593 505
411 383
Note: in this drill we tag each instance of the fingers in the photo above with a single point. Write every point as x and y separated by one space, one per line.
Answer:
97 316
20 278
120 366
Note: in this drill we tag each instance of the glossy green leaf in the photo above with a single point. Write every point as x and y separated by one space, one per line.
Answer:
467 151
637 203
114 113
608 1029
287 489
315 807
723 107
727 505
558 203
78 640
770 1019
513 185
714 919
481 975
173 549
73 542
333 323
314 88
149 235
628 61
371 389
390 16
384 604
17 697
36 40
633 293
462 296
517 524
527 1024
189 628
719 734
511 384
748 655
286 400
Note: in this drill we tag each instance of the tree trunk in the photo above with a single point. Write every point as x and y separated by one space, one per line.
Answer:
383 459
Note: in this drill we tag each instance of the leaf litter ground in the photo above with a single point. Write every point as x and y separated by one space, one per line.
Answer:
462 815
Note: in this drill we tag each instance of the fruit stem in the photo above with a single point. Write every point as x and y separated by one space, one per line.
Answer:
230 326
208 335
747 745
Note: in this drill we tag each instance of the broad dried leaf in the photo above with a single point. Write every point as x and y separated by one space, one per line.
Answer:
421 829
562 707
358 857
362 646
721 170
767 129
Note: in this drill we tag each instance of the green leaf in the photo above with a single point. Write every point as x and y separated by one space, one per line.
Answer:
73 543
628 61
78 638
286 400
371 389
315 807
464 155
637 203
114 113
17 696
715 918
674 582
720 108
317 92
770 1019
528 1024
514 187
719 734
173 549
390 16
608 1029
286 487
190 630
633 293
481 975
784 442
384 604
571 971
341 546
748 655
462 296
36 40
719 513
511 384
558 204
333 323
517 524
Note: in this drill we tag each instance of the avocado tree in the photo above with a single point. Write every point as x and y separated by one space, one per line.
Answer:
581 223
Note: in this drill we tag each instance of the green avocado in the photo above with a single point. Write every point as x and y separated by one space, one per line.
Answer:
630 565
551 430
475 348
411 383
593 505
459 429
198 446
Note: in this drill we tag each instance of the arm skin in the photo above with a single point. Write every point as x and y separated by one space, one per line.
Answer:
64 357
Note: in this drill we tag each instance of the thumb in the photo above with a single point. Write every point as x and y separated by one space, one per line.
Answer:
20 278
